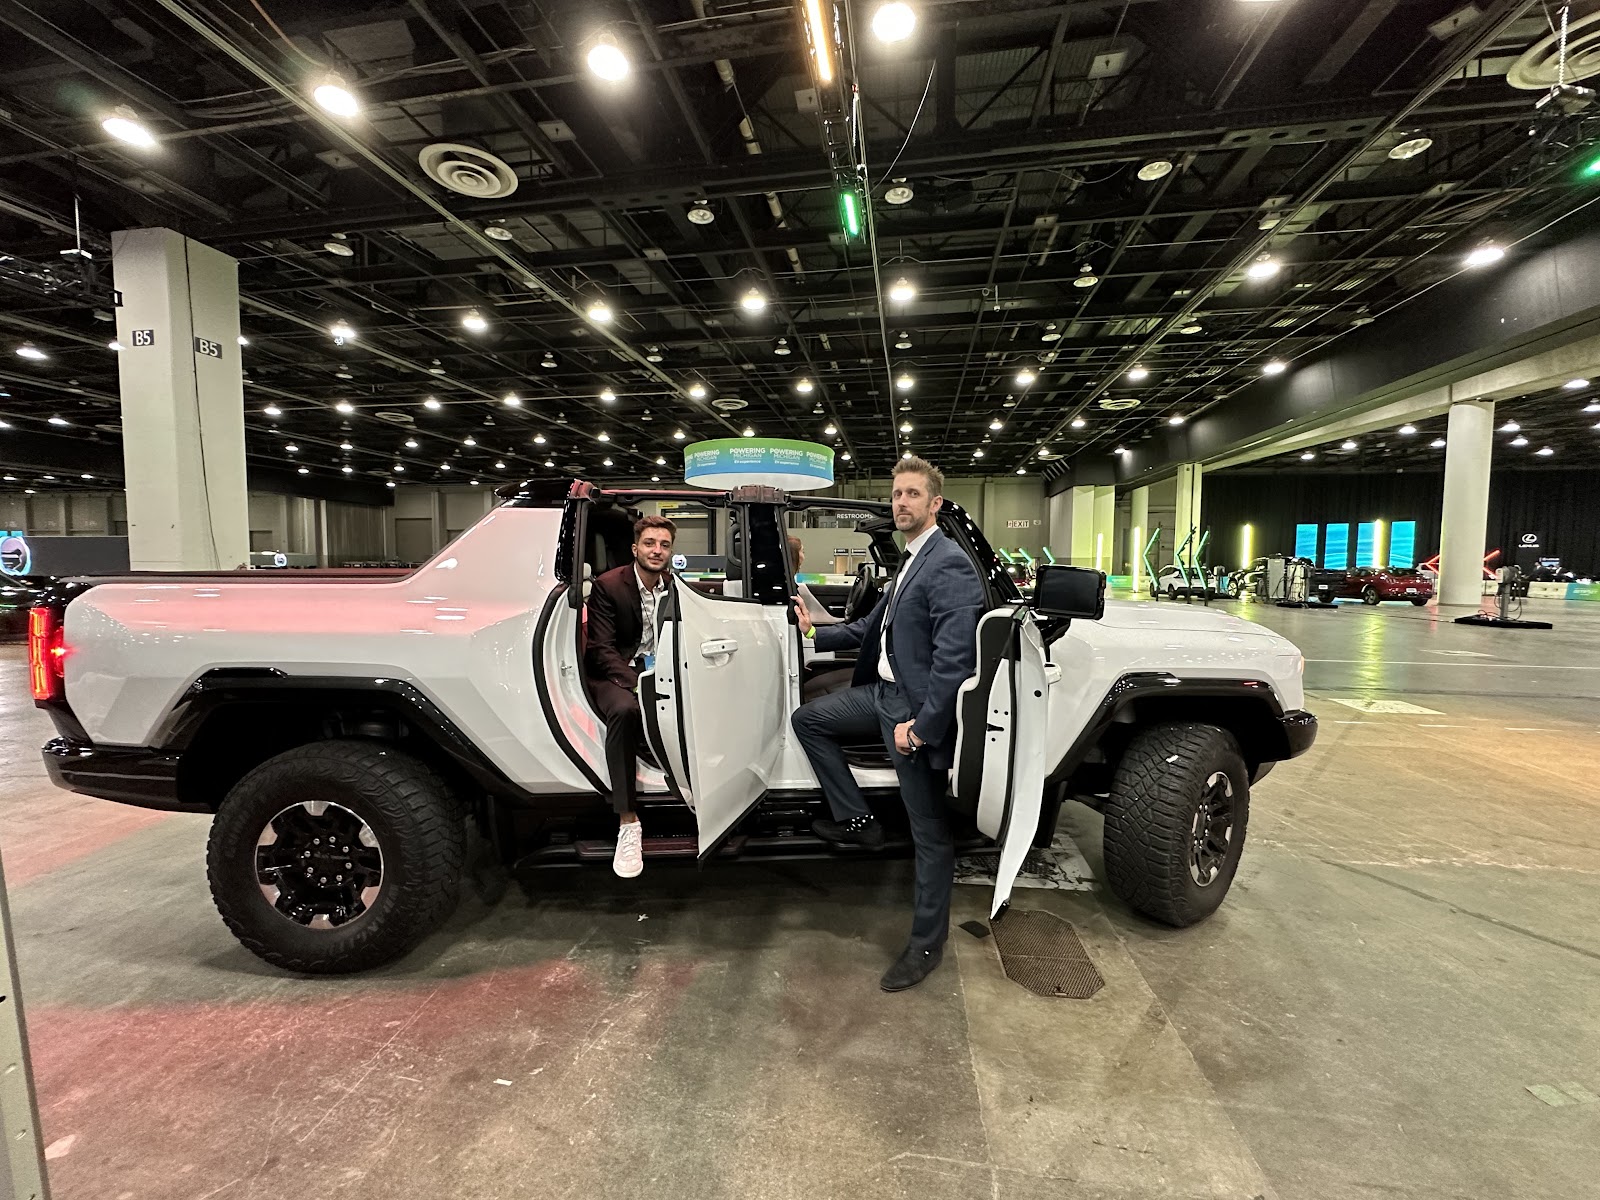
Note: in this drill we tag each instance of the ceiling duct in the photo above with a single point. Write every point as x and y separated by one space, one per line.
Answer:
1119 403
1539 67
467 171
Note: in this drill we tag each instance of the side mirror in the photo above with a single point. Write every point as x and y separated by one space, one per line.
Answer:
1063 591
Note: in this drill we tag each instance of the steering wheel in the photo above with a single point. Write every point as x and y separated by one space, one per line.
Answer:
863 594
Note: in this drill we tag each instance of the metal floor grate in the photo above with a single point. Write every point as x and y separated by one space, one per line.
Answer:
1041 952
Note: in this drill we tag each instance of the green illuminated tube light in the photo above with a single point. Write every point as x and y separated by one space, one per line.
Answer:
850 214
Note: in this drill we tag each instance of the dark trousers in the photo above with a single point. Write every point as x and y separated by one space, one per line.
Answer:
853 716
619 709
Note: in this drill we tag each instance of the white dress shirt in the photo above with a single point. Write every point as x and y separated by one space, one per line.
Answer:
648 599
885 671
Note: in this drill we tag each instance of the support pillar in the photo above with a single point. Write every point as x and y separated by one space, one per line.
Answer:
1469 442
1105 523
1188 512
182 403
1139 533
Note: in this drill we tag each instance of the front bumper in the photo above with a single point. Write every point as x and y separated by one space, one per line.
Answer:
126 774
1299 732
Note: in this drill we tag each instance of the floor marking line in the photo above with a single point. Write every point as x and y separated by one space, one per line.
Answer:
1406 662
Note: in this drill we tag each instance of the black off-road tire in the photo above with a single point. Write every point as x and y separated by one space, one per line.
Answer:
1150 818
1369 595
420 832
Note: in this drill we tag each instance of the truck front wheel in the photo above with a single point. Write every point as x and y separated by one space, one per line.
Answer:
1175 822
336 857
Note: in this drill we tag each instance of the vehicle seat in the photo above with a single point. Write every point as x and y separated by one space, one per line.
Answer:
825 683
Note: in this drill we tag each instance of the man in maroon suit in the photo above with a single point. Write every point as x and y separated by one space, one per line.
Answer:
623 616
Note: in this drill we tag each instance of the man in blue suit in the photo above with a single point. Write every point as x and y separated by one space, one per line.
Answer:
918 646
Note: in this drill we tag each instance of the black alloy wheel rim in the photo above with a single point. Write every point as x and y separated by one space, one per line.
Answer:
318 864
1211 832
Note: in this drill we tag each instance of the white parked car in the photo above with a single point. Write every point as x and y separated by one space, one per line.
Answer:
347 733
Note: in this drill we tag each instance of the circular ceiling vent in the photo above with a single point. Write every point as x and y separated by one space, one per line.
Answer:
729 403
396 418
471 172
1539 67
1118 403
573 468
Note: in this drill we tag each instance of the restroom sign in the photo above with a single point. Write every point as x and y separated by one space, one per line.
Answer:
209 349
144 337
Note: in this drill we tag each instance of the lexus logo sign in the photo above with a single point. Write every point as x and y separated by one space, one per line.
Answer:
1530 539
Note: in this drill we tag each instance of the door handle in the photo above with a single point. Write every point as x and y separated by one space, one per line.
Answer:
718 647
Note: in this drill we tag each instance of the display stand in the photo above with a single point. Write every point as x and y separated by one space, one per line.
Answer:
1511 587
1293 577
24 1176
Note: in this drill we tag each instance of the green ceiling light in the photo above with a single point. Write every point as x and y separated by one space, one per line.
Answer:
850 213
1591 169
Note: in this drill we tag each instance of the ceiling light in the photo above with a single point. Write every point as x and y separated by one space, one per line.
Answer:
1592 407
977 454
346 446
697 391
753 301
1190 329
653 354
804 386
342 332
469 441
1086 277
499 465
243 341
124 125
1308 456
1078 422
1275 367
603 436
748 432
293 449
1174 420
474 322
1544 452
1051 333
1138 374
389 483
1120 450
1410 148
1437 444
343 375
900 193
1483 256
1510 427
903 342
272 410
1156 168
342 249
831 430
599 312
1347 444
305 470
821 45
782 348
1264 267
905 426
997 424
607 396
893 22
1026 376
1407 430
607 61
538 439
113 344
1044 452
700 213
660 461
1573 385
901 291
845 456
348 470
436 369
904 382
431 404
1519 440
678 435
411 443
59 421
344 406
498 232
548 362
335 97
30 351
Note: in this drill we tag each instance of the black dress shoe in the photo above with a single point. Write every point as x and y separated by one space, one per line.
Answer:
910 969
857 831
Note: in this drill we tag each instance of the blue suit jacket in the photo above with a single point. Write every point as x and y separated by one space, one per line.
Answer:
932 613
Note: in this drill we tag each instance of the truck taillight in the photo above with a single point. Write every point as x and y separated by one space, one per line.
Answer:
46 653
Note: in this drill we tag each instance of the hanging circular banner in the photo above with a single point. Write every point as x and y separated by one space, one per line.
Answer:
774 462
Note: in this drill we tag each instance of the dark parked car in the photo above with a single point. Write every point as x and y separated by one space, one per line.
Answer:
1372 585
16 597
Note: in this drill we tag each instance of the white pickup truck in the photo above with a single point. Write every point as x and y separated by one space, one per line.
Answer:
348 731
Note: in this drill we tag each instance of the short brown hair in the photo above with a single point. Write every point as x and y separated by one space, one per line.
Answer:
923 466
644 523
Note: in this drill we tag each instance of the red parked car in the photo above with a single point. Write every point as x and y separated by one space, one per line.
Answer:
1372 585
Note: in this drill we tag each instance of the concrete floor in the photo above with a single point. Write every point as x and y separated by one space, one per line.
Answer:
1411 943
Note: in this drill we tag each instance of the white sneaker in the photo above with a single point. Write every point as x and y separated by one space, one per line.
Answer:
628 861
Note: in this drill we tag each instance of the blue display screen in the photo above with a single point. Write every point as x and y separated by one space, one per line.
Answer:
1305 542
1366 543
1403 544
1336 548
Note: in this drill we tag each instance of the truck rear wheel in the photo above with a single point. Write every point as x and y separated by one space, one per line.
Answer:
1175 822
336 857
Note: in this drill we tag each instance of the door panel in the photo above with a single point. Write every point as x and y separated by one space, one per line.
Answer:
720 704
1001 729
